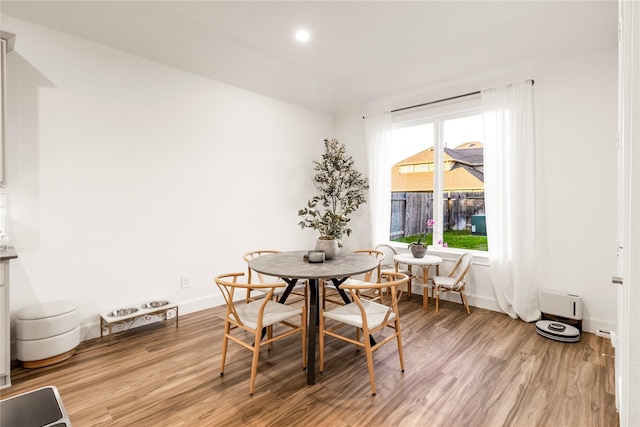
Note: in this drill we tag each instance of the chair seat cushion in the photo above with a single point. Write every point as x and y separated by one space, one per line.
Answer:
271 279
279 291
446 281
330 285
273 313
393 270
353 282
351 315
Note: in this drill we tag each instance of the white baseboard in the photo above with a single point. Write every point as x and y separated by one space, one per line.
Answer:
474 300
588 324
594 324
91 330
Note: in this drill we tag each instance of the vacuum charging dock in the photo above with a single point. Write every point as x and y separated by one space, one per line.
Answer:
561 316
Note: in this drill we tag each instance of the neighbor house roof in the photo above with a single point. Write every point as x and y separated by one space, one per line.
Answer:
464 171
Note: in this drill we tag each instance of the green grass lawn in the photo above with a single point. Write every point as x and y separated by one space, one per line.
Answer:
454 239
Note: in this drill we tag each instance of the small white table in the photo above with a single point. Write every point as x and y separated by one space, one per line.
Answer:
425 263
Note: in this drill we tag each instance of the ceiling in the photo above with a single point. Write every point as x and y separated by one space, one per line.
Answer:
359 51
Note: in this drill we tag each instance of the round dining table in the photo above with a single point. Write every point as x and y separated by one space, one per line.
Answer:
293 266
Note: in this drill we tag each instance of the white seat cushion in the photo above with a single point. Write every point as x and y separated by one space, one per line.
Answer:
352 282
273 313
351 315
279 291
330 285
393 270
444 281
269 280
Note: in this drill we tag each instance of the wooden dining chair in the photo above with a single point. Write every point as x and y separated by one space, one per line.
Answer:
455 281
299 289
330 293
256 315
387 264
368 317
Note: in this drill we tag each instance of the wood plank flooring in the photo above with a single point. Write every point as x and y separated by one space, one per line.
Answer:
483 369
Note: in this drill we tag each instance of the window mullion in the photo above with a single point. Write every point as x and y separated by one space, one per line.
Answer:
438 184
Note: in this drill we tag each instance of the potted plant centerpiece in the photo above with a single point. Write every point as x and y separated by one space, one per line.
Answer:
419 247
341 191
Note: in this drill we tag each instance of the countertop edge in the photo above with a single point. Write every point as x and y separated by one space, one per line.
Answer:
9 253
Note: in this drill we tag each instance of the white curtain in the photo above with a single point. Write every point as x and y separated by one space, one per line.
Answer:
377 130
509 172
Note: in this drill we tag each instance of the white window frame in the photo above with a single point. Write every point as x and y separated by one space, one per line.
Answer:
437 117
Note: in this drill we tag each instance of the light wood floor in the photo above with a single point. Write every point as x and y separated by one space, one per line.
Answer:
483 369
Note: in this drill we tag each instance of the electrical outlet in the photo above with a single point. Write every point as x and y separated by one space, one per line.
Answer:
185 281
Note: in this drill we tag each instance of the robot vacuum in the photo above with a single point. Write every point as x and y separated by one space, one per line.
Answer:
557 331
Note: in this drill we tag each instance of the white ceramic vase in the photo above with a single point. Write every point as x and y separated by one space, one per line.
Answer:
330 247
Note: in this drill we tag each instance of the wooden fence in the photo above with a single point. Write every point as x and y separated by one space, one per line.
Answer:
410 211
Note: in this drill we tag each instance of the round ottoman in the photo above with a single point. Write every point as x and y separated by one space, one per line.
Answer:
47 333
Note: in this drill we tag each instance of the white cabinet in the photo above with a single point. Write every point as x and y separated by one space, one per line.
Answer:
7 40
5 317
3 52
5 357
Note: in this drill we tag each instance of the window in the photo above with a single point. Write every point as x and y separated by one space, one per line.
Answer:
437 172
406 169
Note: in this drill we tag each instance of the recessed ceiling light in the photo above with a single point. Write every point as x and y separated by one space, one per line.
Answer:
302 36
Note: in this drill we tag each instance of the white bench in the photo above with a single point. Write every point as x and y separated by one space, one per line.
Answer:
119 321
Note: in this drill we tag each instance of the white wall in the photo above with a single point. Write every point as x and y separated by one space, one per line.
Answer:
577 165
124 174
576 124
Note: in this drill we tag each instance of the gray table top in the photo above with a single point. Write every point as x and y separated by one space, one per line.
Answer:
292 265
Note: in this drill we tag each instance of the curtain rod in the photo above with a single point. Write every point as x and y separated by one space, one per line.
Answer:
424 104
